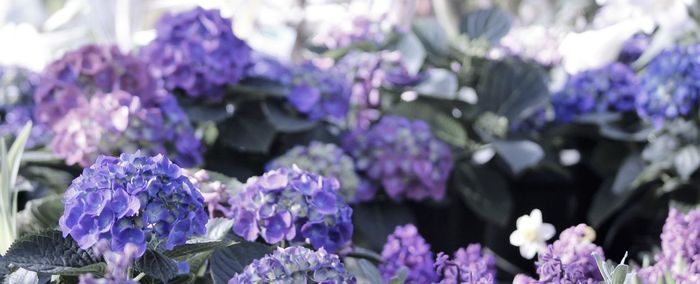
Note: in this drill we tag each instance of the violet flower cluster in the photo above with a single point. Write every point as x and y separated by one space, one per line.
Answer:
405 247
469 266
295 265
99 101
196 52
403 157
613 87
131 199
670 85
679 258
117 264
17 87
320 92
370 73
293 205
269 68
328 160
216 194
569 259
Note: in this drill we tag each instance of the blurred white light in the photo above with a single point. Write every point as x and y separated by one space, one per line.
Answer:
456 113
409 96
569 157
468 95
483 155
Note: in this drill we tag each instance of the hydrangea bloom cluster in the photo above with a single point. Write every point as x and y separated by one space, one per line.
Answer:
469 266
569 259
119 122
216 194
406 247
537 42
17 105
360 29
371 72
294 205
633 48
117 264
295 265
197 52
268 68
327 160
612 87
680 246
72 80
320 93
131 199
403 156
670 86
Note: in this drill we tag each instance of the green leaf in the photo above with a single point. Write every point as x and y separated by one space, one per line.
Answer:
218 228
524 93
376 220
400 277
443 126
438 83
359 252
196 246
22 276
519 155
286 122
490 24
54 179
612 197
227 262
363 270
156 265
248 131
257 89
201 113
412 52
49 252
619 274
687 161
432 35
484 191
40 214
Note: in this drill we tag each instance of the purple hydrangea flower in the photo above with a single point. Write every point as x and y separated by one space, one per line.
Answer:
320 93
403 157
370 72
117 264
469 266
72 80
269 68
196 52
295 265
327 160
17 87
216 194
612 87
680 246
569 259
119 122
406 247
130 199
633 48
670 86
294 205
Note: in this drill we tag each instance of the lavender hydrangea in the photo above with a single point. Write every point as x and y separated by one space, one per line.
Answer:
17 86
469 266
120 122
117 264
268 68
216 194
295 265
569 259
294 205
633 48
613 87
72 80
130 199
328 160
403 157
405 247
670 85
680 247
196 52
320 92
370 73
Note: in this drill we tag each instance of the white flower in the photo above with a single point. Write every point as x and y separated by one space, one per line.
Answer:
531 234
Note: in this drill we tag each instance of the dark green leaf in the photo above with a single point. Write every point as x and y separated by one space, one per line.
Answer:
257 89
439 83
364 271
612 197
513 89
412 52
490 24
443 126
201 113
376 220
359 252
196 246
40 214
156 265
49 252
22 276
227 262
218 228
432 35
285 122
54 179
687 161
247 132
484 191
519 155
